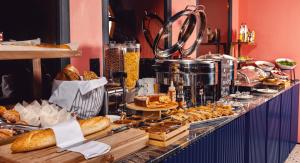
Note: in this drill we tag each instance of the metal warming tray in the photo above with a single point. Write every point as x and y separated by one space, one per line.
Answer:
204 72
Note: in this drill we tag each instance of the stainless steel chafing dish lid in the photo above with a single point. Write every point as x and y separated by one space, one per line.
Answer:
187 66
194 15
218 57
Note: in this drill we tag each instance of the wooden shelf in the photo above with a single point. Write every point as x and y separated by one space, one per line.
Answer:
36 53
244 43
32 52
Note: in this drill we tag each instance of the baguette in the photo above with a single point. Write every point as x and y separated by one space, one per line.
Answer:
39 139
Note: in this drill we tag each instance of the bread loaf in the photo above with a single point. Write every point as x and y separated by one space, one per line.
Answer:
141 101
39 139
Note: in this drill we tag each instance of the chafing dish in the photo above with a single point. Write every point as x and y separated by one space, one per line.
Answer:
199 78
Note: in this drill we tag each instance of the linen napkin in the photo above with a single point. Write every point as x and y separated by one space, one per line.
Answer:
67 133
91 149
64 92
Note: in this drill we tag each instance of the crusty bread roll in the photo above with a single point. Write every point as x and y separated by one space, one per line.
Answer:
89 75
71 72
12 116
39 139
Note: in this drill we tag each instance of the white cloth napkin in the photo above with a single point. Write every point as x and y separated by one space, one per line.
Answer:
67 133
146 86
64 92
91 149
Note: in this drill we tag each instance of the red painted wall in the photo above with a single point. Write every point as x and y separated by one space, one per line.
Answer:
86 29
217 17
176 7
277 25
154 6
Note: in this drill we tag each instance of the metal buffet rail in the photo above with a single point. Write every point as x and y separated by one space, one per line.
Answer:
264 131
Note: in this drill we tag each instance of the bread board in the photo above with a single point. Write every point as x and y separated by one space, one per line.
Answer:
122 144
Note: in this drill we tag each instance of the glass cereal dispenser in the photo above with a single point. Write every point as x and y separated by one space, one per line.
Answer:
123 58
131 56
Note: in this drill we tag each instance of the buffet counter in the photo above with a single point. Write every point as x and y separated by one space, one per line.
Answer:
265 130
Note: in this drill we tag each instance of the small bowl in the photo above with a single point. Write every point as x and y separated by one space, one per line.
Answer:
264 65
285 67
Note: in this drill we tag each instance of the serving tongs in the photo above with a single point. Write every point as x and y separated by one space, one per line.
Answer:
18 126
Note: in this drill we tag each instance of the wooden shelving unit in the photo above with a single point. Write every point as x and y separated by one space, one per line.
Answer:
35 54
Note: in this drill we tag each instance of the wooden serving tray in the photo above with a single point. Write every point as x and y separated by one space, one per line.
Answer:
166 136
150 112
170 141
122 143
140 108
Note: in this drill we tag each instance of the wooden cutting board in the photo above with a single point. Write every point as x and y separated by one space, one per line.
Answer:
122 144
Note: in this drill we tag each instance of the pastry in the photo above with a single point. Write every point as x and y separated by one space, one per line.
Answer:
180 117
89 75
71 72
164 99
201 113
6 133
2 110
11 115
39 139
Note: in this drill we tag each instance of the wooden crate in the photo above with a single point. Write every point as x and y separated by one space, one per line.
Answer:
165 139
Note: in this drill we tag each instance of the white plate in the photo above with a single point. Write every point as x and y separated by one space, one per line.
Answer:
269 66
241 96
283 66
267 91
285 76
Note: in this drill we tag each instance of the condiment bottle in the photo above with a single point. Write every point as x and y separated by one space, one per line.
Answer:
172 92
156 87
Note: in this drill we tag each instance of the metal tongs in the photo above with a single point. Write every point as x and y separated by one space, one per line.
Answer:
18 126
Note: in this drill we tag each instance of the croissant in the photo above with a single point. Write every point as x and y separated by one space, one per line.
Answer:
39 139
